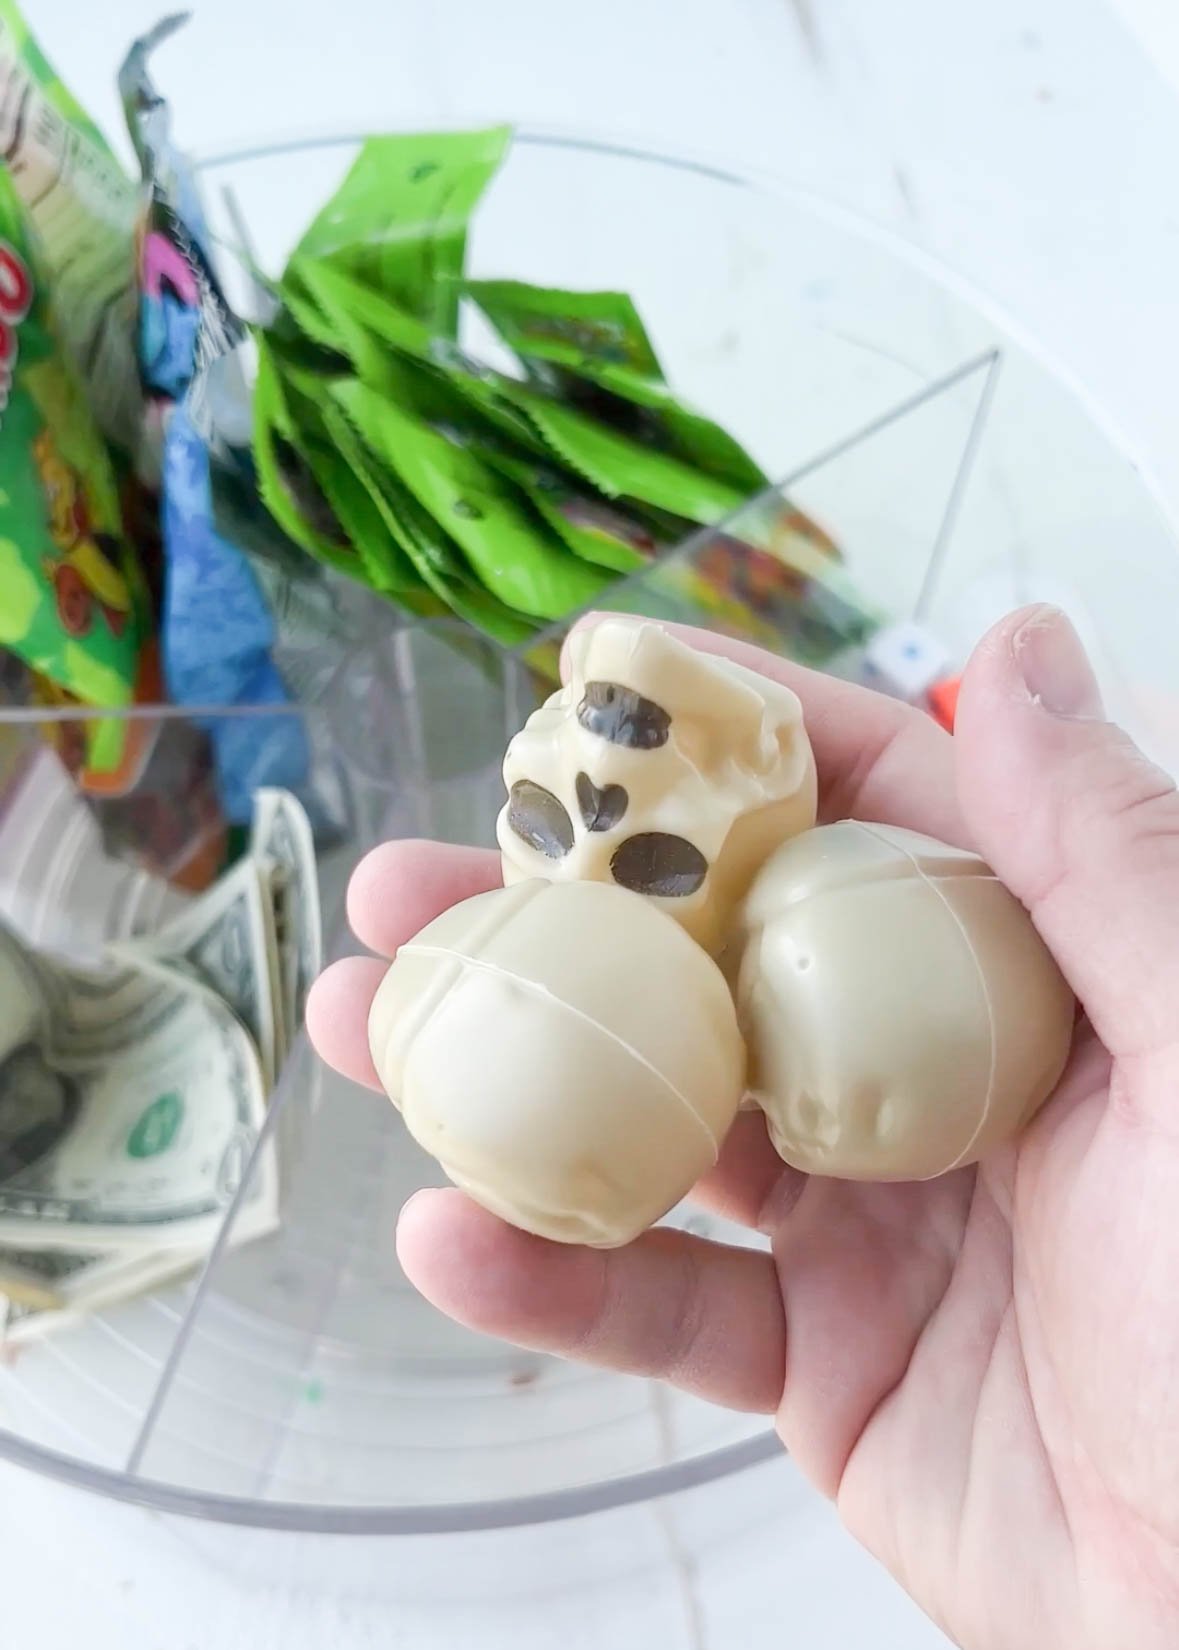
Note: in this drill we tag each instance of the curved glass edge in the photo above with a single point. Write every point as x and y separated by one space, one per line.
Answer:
446 1519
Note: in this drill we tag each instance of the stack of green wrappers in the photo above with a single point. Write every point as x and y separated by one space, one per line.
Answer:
511 500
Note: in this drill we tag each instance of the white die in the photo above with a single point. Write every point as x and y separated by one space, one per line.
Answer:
904 660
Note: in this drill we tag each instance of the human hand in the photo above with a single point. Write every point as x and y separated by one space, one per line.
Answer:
983 1370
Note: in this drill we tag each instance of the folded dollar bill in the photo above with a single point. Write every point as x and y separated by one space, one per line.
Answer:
132 1099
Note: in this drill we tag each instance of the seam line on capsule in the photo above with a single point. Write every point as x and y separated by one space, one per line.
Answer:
932 883
538 990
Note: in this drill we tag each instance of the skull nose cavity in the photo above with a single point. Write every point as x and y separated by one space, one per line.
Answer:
623 717
539 819
654 862
601 807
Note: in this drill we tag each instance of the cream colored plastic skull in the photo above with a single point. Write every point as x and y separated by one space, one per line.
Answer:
662 769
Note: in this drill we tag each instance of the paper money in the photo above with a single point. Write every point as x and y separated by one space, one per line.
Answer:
271 880
40 1281
136 1138
255 937
132 1098
282 839
40 1298
225 940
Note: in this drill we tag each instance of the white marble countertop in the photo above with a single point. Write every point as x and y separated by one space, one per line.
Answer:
1028 143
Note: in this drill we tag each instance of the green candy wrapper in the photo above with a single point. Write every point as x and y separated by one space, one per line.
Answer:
515 558
400 403
398 222
325 441
599 331
593 531
286 481
591 349
401 549
619 467
516 501
339 312
342 315
71 599
435 556
392 358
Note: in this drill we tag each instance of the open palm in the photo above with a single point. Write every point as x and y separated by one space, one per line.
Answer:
982 1369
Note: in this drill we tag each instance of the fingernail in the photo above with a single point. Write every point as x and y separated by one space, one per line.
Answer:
1054 666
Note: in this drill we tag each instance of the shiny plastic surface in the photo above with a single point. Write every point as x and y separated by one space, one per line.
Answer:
903 1017
566 1052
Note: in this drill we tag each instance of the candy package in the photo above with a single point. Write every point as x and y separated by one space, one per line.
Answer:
72 599
83 208
592 350
398 222
217 632
467 498
513 495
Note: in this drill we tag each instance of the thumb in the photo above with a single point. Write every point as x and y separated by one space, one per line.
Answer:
1077 822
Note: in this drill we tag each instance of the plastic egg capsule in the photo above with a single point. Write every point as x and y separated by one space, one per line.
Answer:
568 1055
901 1013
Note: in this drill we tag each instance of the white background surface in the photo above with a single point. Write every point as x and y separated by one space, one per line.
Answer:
1031 144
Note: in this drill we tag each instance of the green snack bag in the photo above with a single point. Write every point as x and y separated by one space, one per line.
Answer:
387 516
592 530
398 222
400 551
314 494
335 314
527 414
287 484
323 438
600 330
72 603
84 209
343 314
619 467
467 599
511 552
339 313
591 350
437 559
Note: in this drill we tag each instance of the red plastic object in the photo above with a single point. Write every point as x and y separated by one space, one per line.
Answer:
943 701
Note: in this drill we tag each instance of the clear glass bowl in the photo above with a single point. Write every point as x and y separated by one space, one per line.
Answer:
299 1382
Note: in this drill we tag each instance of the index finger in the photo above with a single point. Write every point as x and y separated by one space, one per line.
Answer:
878 759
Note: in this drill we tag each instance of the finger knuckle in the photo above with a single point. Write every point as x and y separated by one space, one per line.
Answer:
1121 804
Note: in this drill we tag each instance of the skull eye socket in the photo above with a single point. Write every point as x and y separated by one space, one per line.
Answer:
624 718
655 863
539 819
601 806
